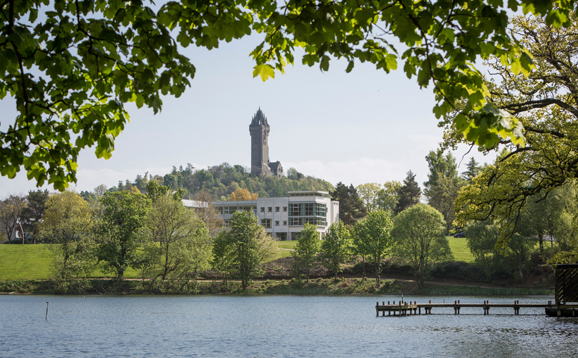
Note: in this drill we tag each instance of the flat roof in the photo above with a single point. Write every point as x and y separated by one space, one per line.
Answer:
308 192
195 204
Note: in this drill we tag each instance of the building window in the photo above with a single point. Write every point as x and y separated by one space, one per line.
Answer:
220 210
262 209
227 223
284 209
266 223
276 222
276 209
270 209
284 222
293 209
300 221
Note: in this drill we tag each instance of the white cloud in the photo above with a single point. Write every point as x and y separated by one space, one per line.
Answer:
357 171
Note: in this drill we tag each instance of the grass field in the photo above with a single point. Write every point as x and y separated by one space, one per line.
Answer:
32 262
460 249
458 245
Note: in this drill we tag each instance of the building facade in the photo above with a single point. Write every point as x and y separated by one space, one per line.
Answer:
260 164
284 217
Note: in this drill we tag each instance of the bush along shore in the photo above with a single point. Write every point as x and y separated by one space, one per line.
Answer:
357 278
318 286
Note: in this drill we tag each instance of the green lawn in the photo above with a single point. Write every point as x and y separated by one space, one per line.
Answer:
460 249
32 262
458 246
286 244
19 262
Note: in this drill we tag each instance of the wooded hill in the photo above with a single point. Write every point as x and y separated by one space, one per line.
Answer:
221 180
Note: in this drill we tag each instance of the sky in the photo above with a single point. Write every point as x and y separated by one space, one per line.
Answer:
361 127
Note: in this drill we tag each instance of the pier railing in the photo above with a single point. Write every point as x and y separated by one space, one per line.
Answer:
403 308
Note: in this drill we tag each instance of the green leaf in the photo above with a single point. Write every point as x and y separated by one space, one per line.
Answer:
348 69
264 71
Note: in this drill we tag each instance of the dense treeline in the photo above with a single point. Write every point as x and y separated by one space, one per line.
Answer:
221 180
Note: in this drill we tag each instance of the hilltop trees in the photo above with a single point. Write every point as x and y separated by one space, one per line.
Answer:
241 194
220 181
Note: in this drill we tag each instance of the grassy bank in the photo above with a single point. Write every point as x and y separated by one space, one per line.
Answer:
33 262
318 286
25 262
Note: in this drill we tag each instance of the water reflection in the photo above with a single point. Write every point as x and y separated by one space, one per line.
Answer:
272 326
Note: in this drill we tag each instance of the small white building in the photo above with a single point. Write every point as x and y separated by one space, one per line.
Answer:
284 217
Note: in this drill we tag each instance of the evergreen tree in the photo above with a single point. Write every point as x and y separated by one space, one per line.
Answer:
351 206
409 193
441 189
473 169
34 211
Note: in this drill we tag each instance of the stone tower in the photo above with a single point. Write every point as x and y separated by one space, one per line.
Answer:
260 164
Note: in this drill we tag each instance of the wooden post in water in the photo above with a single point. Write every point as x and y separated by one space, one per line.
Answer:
47 310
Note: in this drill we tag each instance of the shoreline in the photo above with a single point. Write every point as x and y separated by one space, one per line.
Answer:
315 286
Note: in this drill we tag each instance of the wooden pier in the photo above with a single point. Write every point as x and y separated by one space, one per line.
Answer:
403 308
566 291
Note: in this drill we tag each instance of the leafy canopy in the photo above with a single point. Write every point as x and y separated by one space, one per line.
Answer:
71 66
336 247
419 234
545 102
306 250
373 238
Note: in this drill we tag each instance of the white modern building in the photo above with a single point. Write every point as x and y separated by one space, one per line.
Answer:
284 217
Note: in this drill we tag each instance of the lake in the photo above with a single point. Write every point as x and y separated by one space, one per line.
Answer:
273 326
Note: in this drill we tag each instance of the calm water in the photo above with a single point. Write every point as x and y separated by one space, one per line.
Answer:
272 326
